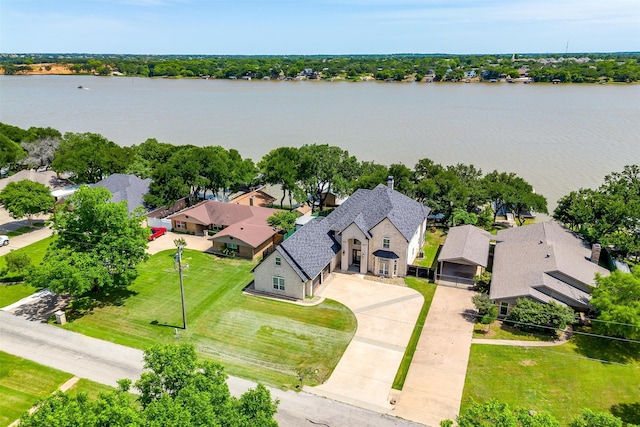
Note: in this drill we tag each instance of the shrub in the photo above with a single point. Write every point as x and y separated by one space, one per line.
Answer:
540 317
483 303
482 282
17 261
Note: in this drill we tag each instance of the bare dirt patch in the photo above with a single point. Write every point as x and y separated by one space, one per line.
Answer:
528 363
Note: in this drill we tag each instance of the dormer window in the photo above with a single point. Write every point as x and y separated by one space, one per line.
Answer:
386 243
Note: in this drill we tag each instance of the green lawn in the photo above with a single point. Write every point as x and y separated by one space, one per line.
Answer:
12 293
252 337
35 251
560 380
23 383
427 290
432 244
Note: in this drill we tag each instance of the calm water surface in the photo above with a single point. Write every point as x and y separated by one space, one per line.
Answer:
558 137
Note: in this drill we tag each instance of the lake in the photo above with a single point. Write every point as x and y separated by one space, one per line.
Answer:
557 137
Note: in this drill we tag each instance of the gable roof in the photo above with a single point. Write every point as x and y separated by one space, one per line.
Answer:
260 198
466 244
220 213
129 188
367 208
242 222
543 259
312 247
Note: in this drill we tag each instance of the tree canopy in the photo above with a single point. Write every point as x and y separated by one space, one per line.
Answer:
609 215
26 198
98 247
616 300
89 157
176 389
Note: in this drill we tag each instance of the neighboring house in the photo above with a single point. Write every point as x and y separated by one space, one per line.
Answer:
465 254
545 262
240 228
377 231
254 198
129 188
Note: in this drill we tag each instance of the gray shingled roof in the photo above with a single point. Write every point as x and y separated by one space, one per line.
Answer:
543 259
129 188
312 247
466 244
367 208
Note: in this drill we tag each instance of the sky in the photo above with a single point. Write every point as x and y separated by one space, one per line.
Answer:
308 27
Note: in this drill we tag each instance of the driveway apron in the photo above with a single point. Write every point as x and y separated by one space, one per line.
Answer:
435 381
386 315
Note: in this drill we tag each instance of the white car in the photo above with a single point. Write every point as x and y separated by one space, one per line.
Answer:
4 240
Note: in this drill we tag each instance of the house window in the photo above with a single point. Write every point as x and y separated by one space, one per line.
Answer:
356 242
383 268
232 246
278 283
395 267
278 261
181 225
386 243
504 308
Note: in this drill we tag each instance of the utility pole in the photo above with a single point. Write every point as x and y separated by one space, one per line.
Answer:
180 243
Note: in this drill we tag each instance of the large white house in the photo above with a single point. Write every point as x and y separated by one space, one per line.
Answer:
377 231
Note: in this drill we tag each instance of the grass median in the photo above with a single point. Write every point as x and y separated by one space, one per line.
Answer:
255 338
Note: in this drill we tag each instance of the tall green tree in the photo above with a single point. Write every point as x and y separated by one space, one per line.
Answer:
283 221
325 169
98 247
498 414
176 389
616 300
26 198
279 167
90 157
10 152
608 215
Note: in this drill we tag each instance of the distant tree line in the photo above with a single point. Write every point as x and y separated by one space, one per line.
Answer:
575 68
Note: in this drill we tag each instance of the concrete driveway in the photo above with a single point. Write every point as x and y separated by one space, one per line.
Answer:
435 381
386 316
197 243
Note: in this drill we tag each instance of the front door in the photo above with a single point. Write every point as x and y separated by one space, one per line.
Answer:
356 256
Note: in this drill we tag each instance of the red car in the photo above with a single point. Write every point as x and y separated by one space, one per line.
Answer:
157 232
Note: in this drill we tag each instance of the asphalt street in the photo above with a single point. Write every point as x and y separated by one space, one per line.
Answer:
106 362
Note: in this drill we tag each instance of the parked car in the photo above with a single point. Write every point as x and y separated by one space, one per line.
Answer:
157 232
4 240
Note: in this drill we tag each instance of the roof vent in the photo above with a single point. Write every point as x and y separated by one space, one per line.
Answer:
547 255
390 182
541 242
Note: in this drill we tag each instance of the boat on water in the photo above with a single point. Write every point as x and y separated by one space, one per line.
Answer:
80 87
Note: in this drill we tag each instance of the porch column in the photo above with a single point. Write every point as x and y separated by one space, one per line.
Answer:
344 260
364 256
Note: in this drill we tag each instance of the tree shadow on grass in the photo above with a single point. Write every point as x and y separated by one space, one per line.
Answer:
606 349
86 304
165 325
627 412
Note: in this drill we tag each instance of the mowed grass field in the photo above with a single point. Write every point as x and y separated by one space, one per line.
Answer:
23 383
255 338
561 379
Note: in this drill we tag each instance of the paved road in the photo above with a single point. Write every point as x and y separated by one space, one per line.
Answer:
106 362
26 239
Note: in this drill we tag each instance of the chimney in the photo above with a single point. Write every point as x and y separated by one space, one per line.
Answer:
390 182
251 200
595 252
